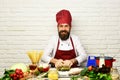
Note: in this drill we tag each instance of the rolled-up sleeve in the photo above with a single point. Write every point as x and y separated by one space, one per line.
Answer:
80 52
48 51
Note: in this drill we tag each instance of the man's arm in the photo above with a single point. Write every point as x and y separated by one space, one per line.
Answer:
74 61
80 52
53 60
48 52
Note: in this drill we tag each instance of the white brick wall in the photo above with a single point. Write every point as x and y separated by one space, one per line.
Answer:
28 24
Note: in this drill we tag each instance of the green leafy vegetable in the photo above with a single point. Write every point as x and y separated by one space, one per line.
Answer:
84 72
74 78
96 76
7 75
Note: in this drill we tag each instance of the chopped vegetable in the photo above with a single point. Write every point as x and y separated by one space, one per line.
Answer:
64 68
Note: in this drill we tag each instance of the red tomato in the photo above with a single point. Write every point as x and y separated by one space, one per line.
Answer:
12 75
21 73
21 76
90 68
20 70
45 69
18 76
14 78
17 71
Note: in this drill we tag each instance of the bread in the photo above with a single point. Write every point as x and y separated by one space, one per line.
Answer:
75 71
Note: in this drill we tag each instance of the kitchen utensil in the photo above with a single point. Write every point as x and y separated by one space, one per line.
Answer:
108 61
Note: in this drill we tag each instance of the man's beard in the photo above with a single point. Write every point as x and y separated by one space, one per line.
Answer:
64 36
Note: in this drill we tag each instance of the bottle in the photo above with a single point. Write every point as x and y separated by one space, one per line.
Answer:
101 60
114 74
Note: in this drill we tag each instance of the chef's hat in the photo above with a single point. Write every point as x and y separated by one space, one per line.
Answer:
64 16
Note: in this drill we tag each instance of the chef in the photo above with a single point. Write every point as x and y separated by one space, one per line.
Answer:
64 49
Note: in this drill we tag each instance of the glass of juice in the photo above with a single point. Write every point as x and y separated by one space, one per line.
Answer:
53 74
32 68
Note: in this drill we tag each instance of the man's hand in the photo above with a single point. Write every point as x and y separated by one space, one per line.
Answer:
59 63
67 63
70 62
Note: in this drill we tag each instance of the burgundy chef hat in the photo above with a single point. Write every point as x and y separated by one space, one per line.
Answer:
64 16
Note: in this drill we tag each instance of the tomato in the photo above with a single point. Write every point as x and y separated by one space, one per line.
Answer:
11 75
45 69
20 70
17 71
20 73
17 75
21 76
90 68
14 74
14 78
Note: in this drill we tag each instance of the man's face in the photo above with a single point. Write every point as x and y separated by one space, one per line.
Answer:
64 31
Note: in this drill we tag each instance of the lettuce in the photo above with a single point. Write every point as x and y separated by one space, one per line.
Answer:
19 66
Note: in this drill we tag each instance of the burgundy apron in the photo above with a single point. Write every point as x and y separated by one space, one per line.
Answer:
66 55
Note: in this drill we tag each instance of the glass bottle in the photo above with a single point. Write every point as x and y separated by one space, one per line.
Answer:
101 60
114 74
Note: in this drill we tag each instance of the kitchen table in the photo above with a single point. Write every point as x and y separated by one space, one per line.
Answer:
63 75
